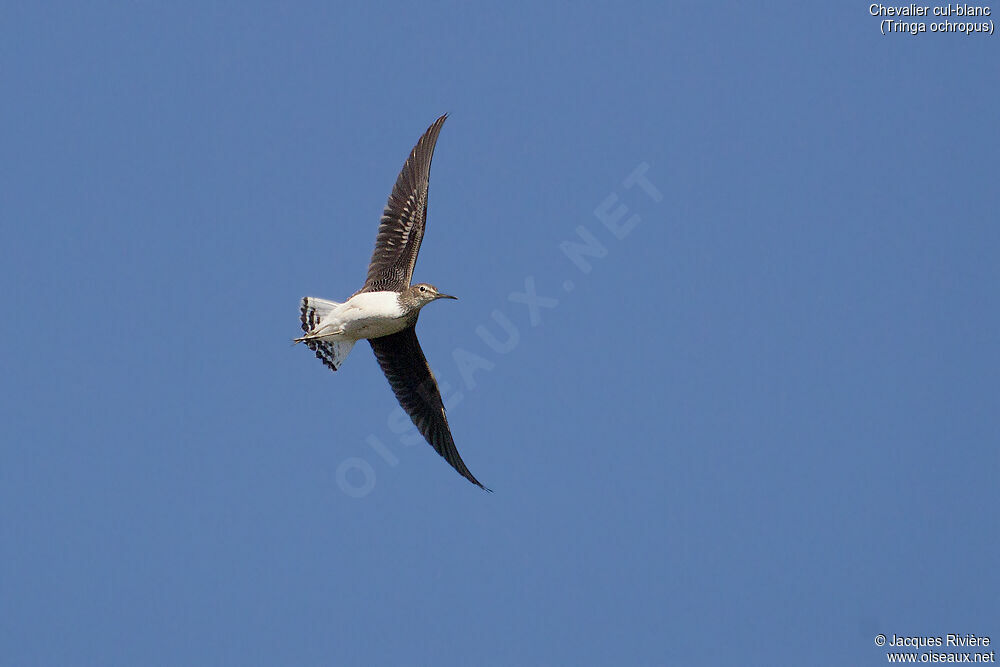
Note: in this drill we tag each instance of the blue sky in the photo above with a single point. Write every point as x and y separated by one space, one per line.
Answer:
760 428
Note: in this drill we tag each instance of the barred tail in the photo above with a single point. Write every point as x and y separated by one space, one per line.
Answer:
312 310
331 353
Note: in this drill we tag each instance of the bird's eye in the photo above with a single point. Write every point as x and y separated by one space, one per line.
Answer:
423 289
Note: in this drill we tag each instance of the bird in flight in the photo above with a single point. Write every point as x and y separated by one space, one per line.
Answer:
385 310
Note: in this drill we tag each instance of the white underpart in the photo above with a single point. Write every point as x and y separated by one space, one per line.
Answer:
365 315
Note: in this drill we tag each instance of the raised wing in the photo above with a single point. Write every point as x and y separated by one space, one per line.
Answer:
405 366
402 227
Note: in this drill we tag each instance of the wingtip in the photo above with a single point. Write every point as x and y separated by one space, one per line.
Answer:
478 483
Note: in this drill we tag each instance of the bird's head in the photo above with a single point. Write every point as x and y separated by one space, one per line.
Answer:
423 293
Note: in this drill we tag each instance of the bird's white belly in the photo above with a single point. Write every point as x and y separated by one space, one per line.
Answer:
366 315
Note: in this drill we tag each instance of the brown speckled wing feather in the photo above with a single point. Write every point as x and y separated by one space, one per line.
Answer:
402 226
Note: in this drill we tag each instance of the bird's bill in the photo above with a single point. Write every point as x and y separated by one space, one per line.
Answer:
447 296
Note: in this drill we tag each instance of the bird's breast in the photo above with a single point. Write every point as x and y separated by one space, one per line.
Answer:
373 315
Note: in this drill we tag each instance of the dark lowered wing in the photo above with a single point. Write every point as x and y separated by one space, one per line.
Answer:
402 227
405 366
